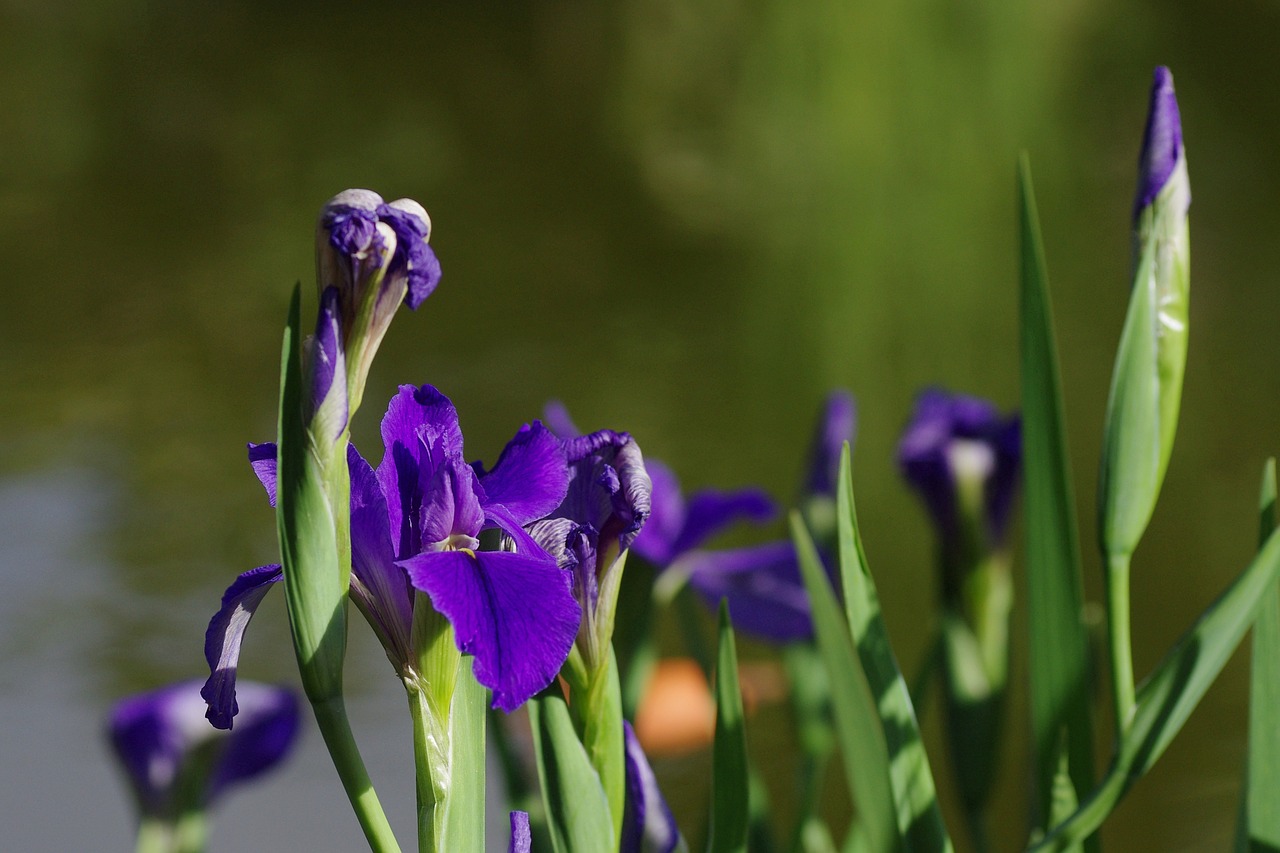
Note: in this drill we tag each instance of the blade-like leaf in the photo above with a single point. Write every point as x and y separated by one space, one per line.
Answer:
915 799
1260 827
1167 698
857 722
1058 648
730 800
577 812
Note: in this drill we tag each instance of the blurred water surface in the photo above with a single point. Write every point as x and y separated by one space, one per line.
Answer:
686 219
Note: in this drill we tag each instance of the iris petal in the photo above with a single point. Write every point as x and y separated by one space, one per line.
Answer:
262 457
515 614
224 636
762 584
521 837
647 823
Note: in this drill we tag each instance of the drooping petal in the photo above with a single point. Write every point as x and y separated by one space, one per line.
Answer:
531 476
419 430
269 722
762 584
413 257
516 615
521 838
835 426
648 826
224 636
379 587
262 457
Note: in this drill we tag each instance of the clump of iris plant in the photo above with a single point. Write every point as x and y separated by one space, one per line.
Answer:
177 765
962 457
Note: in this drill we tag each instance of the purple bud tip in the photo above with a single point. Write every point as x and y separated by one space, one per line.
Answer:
1161 142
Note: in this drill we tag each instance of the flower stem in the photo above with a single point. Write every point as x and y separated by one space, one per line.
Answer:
1119 643
431 765
331 716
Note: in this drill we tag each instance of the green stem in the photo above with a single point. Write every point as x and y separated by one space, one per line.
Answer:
154 835
1119 643
597 716
431 765
331 717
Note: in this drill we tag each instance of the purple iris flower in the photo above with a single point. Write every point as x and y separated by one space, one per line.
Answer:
963 458
175 761
606 504
415 523
647 823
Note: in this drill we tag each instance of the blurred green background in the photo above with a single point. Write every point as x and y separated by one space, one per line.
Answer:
685 218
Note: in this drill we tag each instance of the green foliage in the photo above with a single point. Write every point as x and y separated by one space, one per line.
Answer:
730 798
1058 668
576 809
1259 830
858 727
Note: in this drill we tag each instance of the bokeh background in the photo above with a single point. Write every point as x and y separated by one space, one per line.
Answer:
685 218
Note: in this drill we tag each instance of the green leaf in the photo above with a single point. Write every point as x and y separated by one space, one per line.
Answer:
314 583
857 722
1260 827
1167 698
577 812
915 799
730 795
463 822
1058 648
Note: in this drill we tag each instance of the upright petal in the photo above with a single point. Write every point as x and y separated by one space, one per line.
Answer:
531 476
379 587
224 636
558 420
419 430
327 407
648 826
451 506
835 426
516 615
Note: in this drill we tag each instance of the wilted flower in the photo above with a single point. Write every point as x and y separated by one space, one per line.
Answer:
415 523
177 763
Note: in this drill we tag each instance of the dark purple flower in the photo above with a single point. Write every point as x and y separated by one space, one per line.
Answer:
175 761
371 257
647 823
415 523
963 459
605 506
1161 142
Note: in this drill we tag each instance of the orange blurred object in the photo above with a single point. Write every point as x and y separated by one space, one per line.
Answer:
677 714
